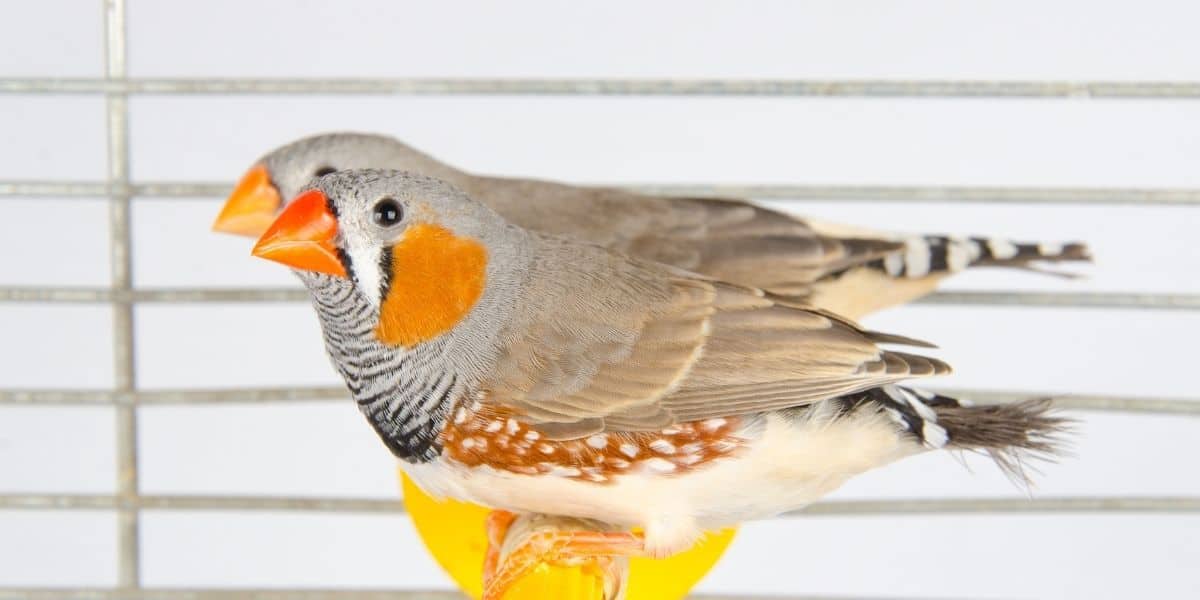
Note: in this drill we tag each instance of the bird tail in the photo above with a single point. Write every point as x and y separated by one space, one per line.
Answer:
941 254
1012 434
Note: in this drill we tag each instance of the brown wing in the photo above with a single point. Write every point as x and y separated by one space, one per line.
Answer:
729 240
603 342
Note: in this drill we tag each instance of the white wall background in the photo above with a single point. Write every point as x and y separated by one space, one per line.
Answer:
324 449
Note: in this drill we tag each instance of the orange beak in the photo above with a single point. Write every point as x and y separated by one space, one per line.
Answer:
302 237
251 207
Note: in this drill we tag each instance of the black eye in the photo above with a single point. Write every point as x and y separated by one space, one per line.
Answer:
323 171
387 213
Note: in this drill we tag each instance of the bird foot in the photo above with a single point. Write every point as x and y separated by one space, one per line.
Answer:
586 549
497 524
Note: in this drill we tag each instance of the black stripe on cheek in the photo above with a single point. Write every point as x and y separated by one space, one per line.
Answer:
385 267
341 252
333 209
344 258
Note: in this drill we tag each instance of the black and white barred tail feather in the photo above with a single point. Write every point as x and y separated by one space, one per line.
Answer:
934 254
1011 434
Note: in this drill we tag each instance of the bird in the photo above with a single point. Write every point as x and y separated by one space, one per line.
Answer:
848 270
536 373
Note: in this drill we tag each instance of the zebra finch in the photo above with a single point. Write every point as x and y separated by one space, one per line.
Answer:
536 373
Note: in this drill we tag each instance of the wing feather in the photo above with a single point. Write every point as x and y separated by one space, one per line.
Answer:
605 342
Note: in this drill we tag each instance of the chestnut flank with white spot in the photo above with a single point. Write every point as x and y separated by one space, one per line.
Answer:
485 435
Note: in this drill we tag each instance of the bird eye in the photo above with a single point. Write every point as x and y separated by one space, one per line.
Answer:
323 171
387 212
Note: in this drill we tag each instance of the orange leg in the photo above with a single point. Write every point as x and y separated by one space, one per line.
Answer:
564 548
497 524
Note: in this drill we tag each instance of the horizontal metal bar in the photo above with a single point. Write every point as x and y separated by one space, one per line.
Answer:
171 502
1172 406
1086 402
1067 299
101 189
591 87
797 192
172 397
106 295
829 508
54 188
197 594
971 298
951 194
292 594
1001 505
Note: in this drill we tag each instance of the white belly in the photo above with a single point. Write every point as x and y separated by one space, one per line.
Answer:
787 466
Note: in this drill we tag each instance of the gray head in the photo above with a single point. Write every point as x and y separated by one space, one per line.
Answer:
292 166
282 173
420 251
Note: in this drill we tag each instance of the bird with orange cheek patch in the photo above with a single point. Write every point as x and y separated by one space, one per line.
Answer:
539 374
848 270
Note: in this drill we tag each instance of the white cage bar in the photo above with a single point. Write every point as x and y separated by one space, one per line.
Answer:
116 88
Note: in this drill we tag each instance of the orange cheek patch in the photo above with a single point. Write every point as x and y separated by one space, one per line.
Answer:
436 278
479 434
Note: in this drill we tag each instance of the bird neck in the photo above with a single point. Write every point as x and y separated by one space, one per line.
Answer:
405 393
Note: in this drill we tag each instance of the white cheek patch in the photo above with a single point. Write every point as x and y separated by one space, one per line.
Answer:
364 259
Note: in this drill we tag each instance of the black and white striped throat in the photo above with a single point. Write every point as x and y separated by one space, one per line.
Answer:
405 394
